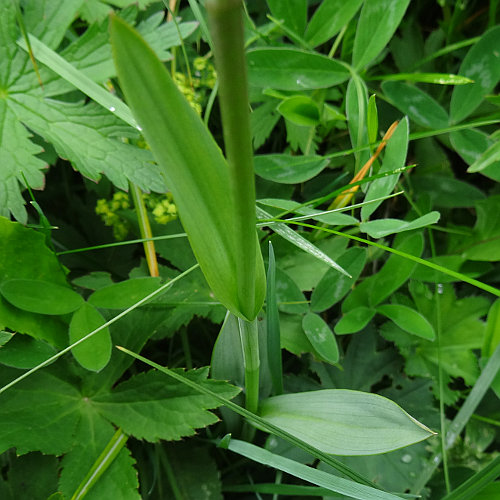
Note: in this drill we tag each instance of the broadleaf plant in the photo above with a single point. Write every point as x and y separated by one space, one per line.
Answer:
152 190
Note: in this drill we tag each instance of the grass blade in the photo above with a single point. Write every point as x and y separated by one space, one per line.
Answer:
432 265
293 237
457 425
314 476
102 463
470 488
273 327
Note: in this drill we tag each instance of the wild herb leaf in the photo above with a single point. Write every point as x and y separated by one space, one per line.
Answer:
344 422
80 133
482 65
293 69
148 408
328 19
95 353
378 21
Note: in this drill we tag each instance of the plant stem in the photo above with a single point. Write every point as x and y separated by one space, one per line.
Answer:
226 28
249 336
145 229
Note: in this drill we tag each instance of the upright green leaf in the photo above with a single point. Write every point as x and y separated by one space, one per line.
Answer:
334 286
273 326
292 12
288 169
408 319
393 274
301 110
378 21
415 103
356 111
328 20
195 171
474 146
481 64
321 337
124 294
383 227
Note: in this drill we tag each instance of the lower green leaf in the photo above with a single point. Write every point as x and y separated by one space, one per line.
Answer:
383 227
41 297
321 337
409 320
344 422
354 320
95 352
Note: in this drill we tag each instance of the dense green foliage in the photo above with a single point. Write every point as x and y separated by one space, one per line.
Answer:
377 161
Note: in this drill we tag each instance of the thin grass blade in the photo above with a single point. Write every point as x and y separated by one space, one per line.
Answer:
293 237
314 476
273 327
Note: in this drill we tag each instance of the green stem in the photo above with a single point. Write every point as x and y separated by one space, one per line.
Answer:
249 336
226 27
145 230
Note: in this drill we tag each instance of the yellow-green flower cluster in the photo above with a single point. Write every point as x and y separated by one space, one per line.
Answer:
204 78
204 72
161 206
189 92
109 213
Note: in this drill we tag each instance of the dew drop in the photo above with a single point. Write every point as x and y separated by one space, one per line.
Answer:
440 288
112 109
139 128
407 458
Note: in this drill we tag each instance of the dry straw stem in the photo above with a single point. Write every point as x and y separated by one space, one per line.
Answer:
343 199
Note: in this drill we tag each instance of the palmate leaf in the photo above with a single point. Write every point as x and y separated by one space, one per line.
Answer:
83 134
462 331
92 434
149 406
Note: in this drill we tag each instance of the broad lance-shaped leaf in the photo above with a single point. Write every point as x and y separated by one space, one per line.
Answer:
344 422
195 171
